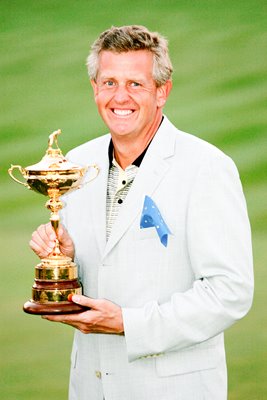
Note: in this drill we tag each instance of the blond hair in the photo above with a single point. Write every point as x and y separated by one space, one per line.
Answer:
132 38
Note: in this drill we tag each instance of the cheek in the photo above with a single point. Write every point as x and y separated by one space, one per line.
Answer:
152 106
147 102
101 103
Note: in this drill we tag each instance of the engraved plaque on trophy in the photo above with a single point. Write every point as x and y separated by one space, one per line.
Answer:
56 276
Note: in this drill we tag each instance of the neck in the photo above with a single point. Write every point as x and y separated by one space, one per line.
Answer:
127 149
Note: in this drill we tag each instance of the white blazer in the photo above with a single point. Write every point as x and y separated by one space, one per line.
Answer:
176 300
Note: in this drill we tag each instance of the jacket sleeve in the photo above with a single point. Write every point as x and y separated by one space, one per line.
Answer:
219 245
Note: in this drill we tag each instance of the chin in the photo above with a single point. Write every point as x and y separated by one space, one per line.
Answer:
120 130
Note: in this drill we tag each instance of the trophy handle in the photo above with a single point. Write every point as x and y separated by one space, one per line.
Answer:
97 169
21 170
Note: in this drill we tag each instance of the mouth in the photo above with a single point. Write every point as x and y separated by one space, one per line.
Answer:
121 112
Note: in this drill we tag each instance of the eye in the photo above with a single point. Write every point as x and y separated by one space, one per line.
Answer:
109 83
135 84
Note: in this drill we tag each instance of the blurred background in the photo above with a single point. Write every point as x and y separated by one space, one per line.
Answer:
218 49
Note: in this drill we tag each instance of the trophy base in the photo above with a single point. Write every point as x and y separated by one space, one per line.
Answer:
31 307
55 280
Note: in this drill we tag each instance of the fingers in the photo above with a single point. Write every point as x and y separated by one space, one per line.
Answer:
81 321
43 240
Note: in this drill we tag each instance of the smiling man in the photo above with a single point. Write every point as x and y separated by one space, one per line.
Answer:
161 239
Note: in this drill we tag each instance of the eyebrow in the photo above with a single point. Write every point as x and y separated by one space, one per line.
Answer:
133 79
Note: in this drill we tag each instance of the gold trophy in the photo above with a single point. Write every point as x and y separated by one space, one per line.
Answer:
56 276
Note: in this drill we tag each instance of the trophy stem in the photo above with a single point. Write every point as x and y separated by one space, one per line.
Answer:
54 219
55 224
54 205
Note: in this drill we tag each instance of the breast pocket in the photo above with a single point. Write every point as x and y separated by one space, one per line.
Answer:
146 233
148 246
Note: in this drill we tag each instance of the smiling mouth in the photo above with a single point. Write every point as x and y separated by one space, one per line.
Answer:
122 113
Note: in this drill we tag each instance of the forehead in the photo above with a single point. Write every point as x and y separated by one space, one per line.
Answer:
132 63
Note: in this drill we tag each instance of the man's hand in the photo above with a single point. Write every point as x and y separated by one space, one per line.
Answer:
103 316
43 241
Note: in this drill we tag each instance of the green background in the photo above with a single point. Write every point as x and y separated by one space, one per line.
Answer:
218 49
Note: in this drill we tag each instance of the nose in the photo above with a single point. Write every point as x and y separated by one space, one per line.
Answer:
121 93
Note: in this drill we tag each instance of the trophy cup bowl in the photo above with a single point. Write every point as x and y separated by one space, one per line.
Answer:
56 276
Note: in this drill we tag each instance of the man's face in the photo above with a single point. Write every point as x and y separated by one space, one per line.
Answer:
126 94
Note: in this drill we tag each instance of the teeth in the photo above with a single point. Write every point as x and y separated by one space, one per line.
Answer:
122 112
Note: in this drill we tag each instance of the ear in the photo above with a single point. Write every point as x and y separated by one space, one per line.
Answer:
94 86
163 92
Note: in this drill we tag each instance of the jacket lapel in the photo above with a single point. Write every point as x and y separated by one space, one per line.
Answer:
99 195
152 170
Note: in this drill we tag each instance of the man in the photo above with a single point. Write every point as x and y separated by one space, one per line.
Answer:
161 238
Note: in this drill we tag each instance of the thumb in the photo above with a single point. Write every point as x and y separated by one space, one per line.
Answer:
65 241
63 235
84 301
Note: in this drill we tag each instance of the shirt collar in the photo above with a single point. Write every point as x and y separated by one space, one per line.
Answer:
137 162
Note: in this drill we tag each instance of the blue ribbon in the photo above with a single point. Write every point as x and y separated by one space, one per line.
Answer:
151 217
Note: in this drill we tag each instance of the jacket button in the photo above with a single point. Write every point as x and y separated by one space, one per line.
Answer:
98 374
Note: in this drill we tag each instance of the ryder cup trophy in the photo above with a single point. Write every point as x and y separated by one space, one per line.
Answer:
56 276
